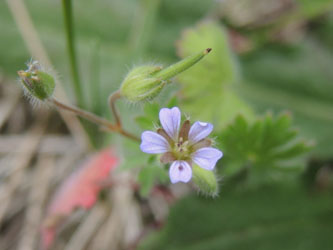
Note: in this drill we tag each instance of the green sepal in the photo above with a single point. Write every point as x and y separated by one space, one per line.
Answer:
205 181
139 85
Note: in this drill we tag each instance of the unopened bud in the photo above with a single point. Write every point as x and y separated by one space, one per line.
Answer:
37 82
146 82
205 181
140 85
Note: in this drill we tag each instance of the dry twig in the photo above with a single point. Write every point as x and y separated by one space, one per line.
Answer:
37 197
28 145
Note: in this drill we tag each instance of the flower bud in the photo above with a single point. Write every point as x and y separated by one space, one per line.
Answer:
205 180
146 82
37 82
140 85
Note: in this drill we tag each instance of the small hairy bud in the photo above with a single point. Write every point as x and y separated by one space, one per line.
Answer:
143 83
205 181
36 82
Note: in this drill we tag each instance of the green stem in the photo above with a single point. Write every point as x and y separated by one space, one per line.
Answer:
69 28
95 82
82 113
105 124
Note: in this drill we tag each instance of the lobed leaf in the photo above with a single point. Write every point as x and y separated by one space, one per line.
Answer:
207 87
264 146
297 79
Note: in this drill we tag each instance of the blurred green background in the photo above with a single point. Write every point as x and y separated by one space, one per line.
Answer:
278 55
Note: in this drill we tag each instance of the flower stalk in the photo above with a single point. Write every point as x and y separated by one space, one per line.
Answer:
112 102
70 39
105 124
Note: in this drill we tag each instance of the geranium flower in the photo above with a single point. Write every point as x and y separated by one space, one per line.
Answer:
181 146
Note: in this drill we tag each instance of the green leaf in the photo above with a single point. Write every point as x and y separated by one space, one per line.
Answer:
149 176
173 102
298 80
133 157
271 218
207 87
150 116
144 122
310 8
264 147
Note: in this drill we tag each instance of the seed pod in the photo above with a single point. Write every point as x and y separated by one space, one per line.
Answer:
181 66
143 83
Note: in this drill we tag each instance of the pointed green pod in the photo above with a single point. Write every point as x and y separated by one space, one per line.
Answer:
144 83
181 66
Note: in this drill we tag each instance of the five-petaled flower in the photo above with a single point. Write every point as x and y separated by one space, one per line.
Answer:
181 146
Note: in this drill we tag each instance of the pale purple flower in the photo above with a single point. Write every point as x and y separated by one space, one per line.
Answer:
181 146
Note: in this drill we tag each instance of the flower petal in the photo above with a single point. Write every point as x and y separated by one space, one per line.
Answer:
199 131
153 143
170 121
180 171
207 157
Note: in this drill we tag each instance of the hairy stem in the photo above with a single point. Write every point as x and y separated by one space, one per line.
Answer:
69 28
94 118
82 113
112 102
